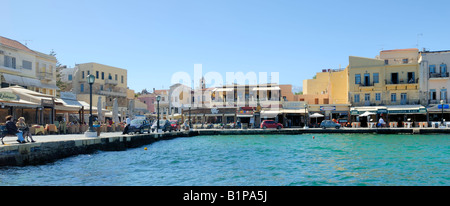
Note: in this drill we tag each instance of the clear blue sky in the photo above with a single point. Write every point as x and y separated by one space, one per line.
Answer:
154 39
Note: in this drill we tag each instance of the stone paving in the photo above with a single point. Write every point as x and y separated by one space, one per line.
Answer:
10 140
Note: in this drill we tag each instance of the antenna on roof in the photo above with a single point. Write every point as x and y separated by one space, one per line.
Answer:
26 42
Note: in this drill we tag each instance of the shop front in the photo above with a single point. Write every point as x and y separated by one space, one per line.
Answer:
393 115
245 115
294 113
337 112
439 113
210 115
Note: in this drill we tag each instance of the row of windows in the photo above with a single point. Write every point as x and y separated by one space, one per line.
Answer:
376 78
97 76
10 62
433 94
442 68
403 97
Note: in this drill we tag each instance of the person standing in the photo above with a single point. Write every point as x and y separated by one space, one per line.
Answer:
381 122
127 122
12 129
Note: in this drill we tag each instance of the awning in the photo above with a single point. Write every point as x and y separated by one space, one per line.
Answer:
67 108
270 113
19 103
294 111
360 110
13 79
406 109
67 105
48 86
435 109
266 88
244 115
31 82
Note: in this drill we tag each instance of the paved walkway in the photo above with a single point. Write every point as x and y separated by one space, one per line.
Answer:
10 140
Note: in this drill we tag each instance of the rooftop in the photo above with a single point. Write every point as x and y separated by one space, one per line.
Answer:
14 44
398 50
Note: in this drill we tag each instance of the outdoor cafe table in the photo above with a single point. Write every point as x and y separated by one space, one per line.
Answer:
356 124
407 124
371 124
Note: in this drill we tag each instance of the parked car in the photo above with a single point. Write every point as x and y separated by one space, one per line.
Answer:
328 123
270 124
175 124
164 125
139 125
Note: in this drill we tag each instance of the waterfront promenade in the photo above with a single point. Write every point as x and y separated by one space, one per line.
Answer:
48 148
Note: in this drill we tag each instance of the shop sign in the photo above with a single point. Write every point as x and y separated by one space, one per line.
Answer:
406 111
8 96
214 111
47 103
382 111
327 108
245 112
354 112
445 106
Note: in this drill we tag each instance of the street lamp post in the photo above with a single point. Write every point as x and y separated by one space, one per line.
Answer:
91 132
190 125
306 122
442 114
158 98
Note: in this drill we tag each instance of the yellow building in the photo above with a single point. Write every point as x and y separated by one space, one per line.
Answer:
327 94
390 80
110 83
328 87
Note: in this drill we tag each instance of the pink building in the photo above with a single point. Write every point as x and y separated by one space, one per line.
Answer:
149 100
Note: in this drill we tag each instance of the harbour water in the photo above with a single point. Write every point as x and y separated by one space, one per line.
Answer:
309 159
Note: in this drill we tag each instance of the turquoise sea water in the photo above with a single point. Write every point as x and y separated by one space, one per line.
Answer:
327 159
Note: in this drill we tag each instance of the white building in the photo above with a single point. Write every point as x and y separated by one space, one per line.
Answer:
22 66
434 76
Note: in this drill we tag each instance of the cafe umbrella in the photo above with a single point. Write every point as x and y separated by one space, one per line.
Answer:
316 115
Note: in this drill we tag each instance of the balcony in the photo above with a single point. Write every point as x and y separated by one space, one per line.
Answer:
45 76
111 82
402 85
387 102
439 75
437 101
114 94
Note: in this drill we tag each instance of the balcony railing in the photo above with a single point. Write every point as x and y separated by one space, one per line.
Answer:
401 81
114 94
366 85
387 102
437 101
439 75
45 76
111 81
